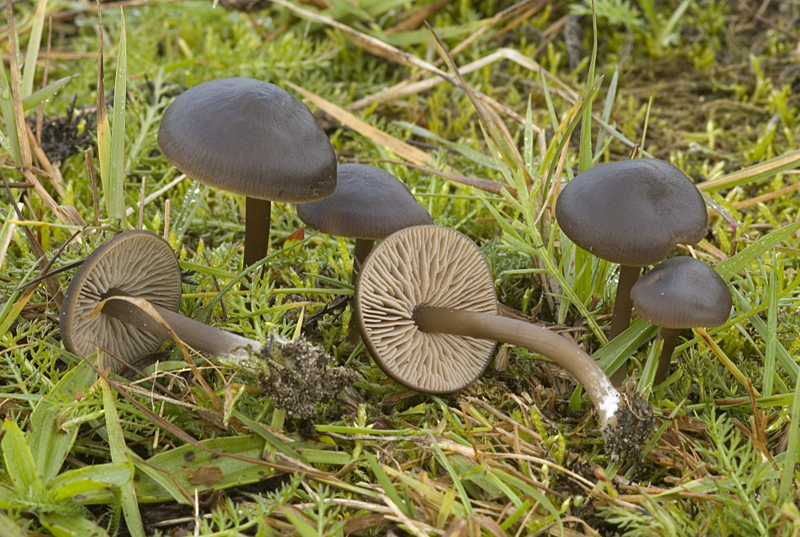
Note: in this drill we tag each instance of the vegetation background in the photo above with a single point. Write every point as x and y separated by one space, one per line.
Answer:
709 85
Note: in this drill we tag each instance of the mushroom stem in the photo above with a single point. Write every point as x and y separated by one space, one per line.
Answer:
621 320
360 252
195 334
256 230
670 337
604 396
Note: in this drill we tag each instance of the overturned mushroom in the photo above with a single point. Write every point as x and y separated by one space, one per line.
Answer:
427 310
681 292
136 264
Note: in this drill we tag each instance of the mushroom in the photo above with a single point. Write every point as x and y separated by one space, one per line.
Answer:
252 138
634 213
368 204
681 292
427 310
134 264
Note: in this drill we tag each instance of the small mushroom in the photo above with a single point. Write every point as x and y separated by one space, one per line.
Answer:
681 292
368 204
634 213
252 138
427 310
134 264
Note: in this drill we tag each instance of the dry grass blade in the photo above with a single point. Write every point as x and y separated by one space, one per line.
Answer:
406 88
727 362
16 91
483 184
496 129
759 171
384 50
158 193
766 197
66 217
416 18
523 10
148 308
52 173
399 147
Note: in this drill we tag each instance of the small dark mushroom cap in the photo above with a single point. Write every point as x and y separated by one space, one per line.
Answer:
415 267
368 203
682 292
632 212
133 263
251 138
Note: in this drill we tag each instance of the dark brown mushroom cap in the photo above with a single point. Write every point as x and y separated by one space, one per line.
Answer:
424 265
682 292
251 138
632 212
368 203
133 263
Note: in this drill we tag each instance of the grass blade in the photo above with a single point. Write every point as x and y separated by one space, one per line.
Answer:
49 443
116 206
116 442
103 128
787 492
386 484
16 92
788 161
45 93
730 267
17 457
29 70
70 526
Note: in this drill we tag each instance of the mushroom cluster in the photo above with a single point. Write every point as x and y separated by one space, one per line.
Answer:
633 213
425 303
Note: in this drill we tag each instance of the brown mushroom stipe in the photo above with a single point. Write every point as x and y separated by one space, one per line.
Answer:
427 309
136 264
681 292
251 138
634 213
368 204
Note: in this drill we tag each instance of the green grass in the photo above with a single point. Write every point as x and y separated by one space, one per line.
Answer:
708 86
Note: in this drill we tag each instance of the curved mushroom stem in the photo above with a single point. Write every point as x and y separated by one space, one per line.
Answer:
626 421
195 334
604 396
621 319
670 337
360 252
256 230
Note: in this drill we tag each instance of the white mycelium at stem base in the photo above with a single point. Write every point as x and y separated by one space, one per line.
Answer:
428 313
